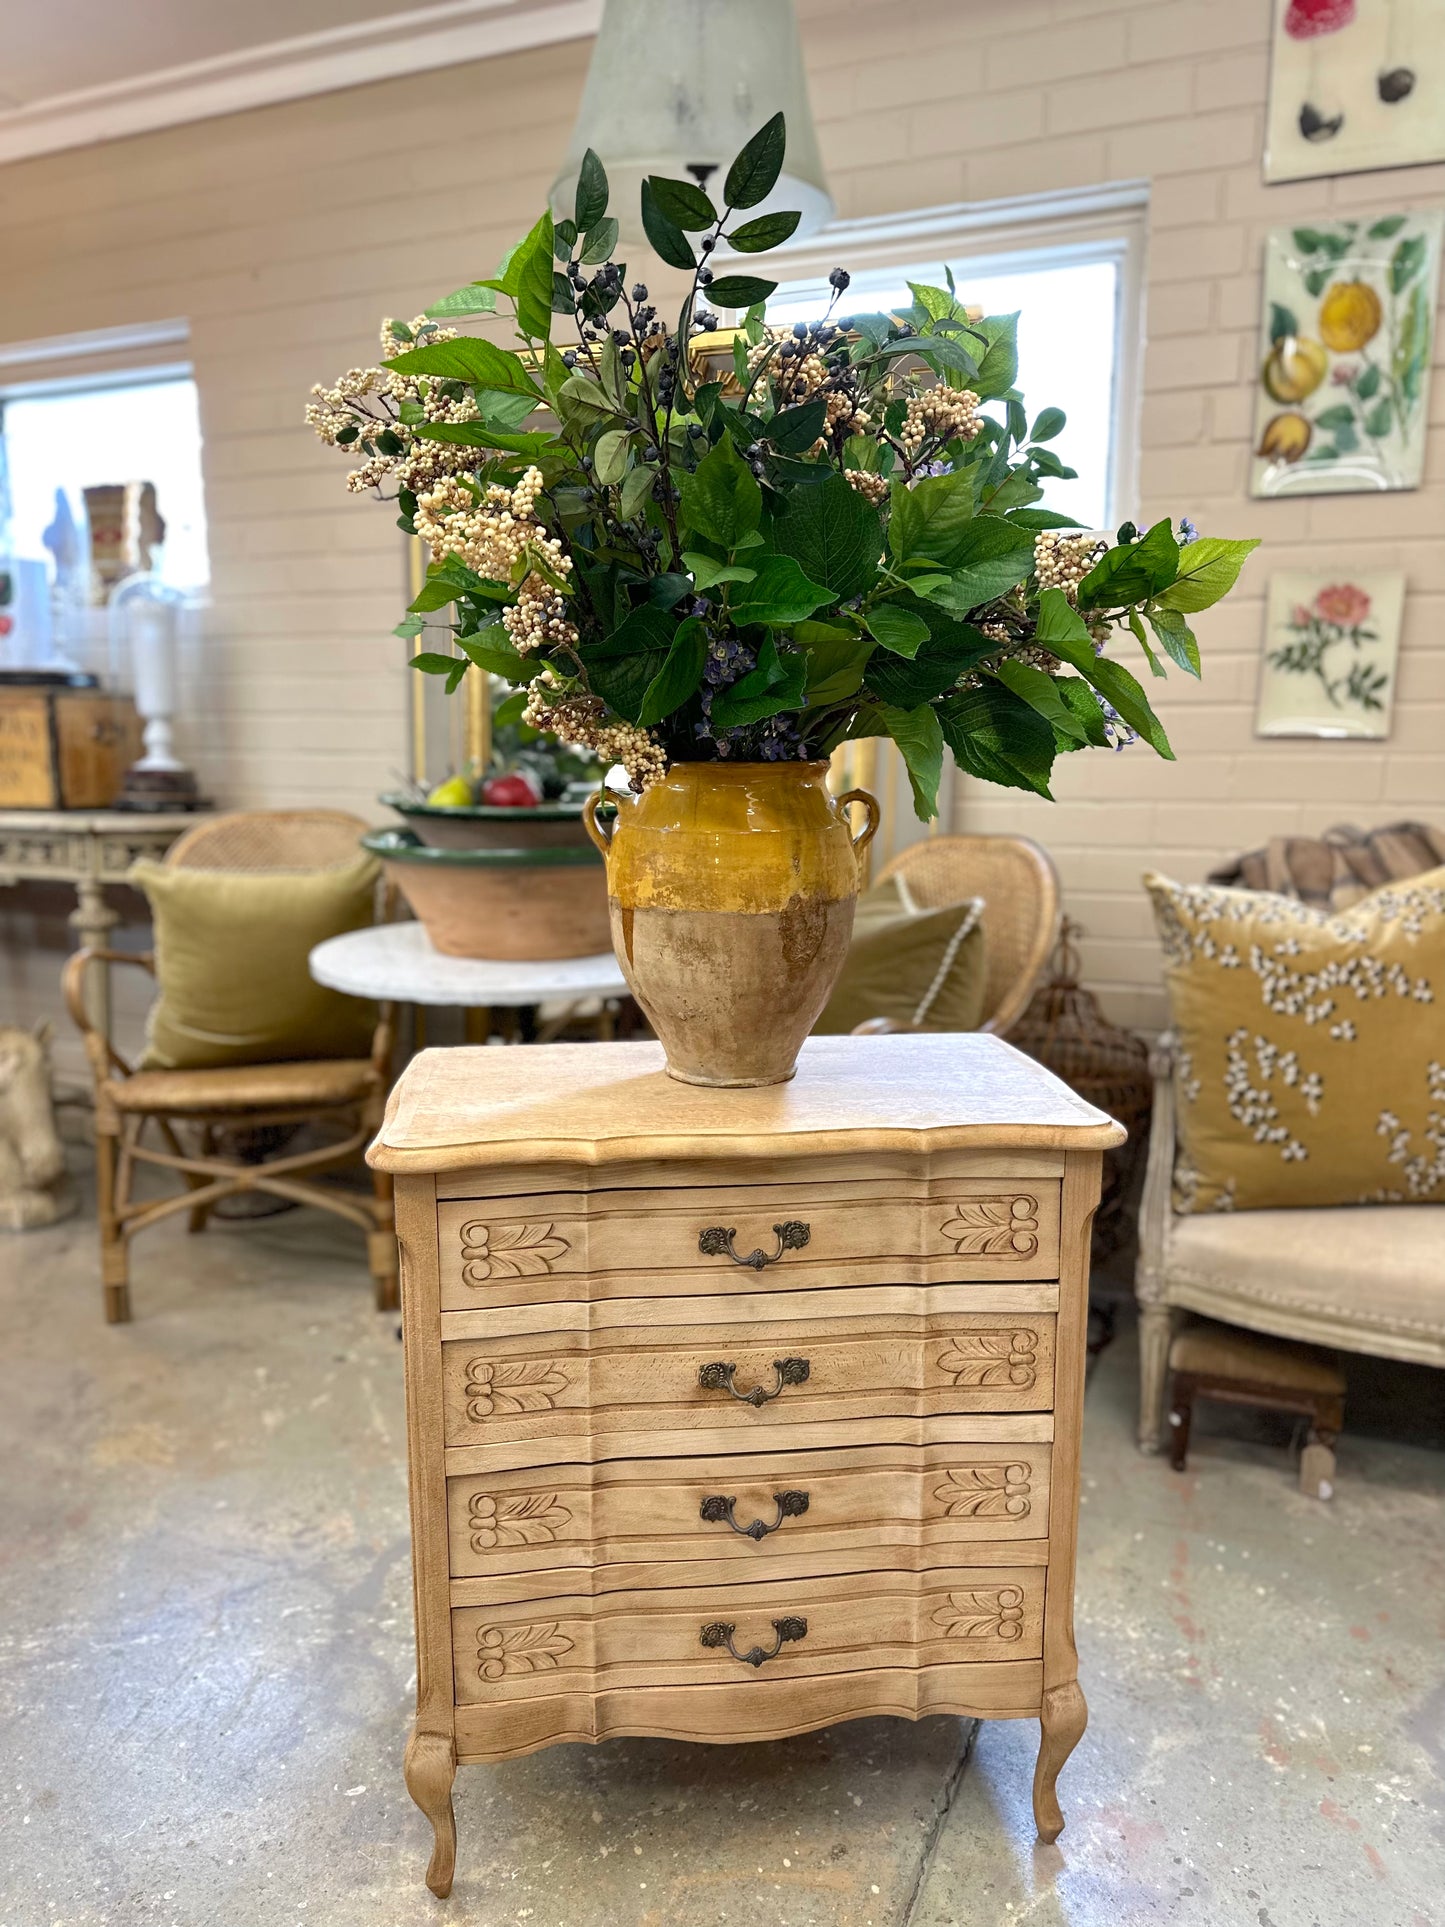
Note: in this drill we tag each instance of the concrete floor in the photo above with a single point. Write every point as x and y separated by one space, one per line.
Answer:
206 1665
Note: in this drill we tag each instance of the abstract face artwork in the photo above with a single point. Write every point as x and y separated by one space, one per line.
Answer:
1355 84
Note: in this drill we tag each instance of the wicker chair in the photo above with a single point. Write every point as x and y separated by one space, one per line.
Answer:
1020 891
345 1094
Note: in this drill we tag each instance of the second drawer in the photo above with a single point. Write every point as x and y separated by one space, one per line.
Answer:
795 1503
746 1377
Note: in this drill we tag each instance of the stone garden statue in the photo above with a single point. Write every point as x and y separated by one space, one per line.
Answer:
32 1159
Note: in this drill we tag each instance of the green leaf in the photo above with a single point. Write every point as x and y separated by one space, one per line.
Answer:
1132 571
1385 230
952 648
600 242
990 557
998 370
793 431
707 572
898 629
492 651
564 239
682 202
1377 422
637 491
1041 519
1309 240
998 737
609 457
835 665
1406 262
623 668
1048 423
459 668
1283 322
1041 691
679 675
1015 491
721 500
927 521
479 363
408 627
775 685
1177 638
1367 381
1208 570
1083 706
591 202
1062 632
1315 281
531 270
666 591
534 441
475 298
833 534
510 711
779 593
920 743
667 238
1156 668
1340 416
754 174
432 664
738 290
767 231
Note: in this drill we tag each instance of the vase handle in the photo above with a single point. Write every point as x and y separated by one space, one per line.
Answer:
875 817
602 838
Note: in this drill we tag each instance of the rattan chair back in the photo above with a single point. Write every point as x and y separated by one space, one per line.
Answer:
1020 891
294 840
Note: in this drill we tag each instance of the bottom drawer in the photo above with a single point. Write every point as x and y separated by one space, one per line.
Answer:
714 1635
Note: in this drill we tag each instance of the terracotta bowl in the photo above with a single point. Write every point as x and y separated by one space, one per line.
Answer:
486 826
511 906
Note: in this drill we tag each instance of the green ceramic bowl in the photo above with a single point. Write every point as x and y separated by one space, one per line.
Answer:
488 826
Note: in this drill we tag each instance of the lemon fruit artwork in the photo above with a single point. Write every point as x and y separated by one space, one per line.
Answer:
1342 393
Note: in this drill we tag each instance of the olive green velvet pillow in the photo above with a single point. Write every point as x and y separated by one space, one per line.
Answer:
1311 1046
231 949
922 968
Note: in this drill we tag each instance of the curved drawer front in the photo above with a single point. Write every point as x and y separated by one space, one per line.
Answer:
611 1244
751 1509
716 1635
748 1377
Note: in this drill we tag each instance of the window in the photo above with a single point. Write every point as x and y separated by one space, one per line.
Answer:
74 437
1072 272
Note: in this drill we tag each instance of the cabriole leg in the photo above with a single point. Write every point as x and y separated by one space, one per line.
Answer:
1156 1325
1062 1720
431 1766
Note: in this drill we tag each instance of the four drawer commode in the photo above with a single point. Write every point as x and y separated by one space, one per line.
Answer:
735 1413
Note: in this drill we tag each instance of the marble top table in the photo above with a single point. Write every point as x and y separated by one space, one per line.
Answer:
395 963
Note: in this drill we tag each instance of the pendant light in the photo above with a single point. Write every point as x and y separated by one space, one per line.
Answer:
677 86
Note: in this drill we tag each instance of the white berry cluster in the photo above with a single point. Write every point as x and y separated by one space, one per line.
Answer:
943 414
492 534
579 719
1061 561
873 488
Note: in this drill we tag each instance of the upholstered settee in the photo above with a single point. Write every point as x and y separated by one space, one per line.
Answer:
1364 1278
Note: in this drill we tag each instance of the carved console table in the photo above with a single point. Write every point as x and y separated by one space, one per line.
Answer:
87 849
734 1413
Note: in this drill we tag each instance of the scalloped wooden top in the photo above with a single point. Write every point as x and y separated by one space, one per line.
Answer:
604 1104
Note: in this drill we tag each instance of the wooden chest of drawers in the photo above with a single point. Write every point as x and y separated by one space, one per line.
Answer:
735 1413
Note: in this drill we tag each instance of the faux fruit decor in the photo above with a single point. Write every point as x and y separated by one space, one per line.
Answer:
715 575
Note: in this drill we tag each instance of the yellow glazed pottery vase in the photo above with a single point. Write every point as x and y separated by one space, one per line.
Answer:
731 889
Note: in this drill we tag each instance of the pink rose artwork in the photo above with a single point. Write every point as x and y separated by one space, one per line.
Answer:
1344 604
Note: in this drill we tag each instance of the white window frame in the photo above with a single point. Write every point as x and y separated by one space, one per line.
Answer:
1028 231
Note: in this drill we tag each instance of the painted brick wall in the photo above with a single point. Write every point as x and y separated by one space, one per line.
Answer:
286 232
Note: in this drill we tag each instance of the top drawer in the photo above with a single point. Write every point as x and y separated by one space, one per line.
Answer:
611 1244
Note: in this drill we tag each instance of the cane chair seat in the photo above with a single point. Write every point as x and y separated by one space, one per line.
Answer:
237 1088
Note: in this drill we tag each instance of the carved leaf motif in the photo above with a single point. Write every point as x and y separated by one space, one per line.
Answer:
526 1385
520 1649
976 1360
1004 1227
522 1519
509 1251
994 1614
985 1492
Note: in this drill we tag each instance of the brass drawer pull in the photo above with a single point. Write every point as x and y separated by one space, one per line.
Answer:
717 1510
718 1377
720 1633
717 1242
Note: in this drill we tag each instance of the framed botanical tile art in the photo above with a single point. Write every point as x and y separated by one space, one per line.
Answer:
1329 655
1355 84
1343 387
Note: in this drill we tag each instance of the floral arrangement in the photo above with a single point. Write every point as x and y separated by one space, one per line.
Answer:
684 545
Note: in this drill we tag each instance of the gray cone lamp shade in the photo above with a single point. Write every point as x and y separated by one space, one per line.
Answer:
679 85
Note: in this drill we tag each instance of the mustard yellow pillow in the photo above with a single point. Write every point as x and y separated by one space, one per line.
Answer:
923 968
231 949
1311 1064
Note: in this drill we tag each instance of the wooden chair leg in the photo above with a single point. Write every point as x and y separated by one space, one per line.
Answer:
1156 1328
200 1217
381 1245
1181 1414
114 1251
1317 1465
